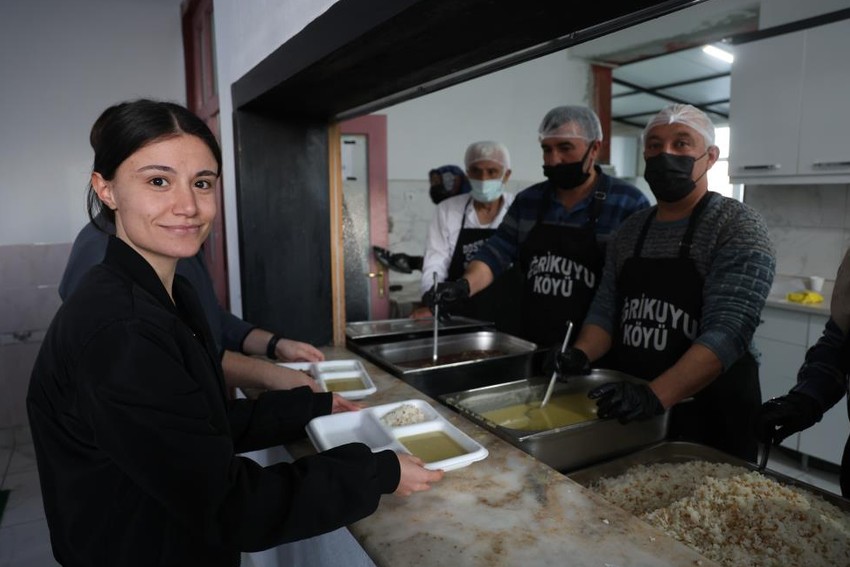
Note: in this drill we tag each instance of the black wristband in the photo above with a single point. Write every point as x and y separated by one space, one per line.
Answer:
270 348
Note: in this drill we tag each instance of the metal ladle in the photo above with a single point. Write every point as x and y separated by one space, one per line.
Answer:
555 372
436 321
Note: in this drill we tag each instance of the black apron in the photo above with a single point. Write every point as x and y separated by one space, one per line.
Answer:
561 267
500 301
660 318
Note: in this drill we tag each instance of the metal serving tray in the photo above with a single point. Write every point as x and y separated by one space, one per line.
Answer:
410 360
563 448
364 330
681 452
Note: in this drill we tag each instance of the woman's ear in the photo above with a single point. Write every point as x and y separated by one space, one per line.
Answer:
103 189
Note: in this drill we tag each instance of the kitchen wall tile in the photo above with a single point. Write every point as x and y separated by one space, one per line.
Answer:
26 545
410 211
32 264
821 206
28 308
16 362
25 503
806 251
22 433
7 437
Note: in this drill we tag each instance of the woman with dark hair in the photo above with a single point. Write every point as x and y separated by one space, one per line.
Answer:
135 439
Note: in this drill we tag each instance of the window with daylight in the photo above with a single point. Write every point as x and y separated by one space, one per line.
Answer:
718 176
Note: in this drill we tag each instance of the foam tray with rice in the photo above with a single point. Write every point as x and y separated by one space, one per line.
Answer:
417 429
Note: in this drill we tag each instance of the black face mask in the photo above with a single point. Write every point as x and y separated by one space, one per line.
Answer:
438 193
567 175
669 176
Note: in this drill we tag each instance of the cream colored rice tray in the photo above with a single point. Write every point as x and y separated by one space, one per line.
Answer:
432 438
348 378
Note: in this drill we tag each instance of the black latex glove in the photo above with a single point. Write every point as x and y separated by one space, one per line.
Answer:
571 362
446 293
627 401
783 416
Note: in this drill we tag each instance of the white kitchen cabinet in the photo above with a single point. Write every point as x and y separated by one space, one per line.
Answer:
783 338
788 108
825 120
765 96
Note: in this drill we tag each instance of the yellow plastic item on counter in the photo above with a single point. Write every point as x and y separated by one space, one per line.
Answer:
805 297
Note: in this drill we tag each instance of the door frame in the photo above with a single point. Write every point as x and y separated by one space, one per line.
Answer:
202 99
374 127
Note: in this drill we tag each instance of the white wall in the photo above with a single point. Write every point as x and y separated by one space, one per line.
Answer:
247 31
506 106
778 12
63 63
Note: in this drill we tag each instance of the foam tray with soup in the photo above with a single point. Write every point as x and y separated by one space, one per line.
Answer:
411 426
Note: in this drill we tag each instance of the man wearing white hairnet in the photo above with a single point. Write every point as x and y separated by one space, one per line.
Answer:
681 295
556 230
460 226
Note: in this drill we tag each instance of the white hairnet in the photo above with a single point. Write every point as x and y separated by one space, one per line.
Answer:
486 150
683 114
570 122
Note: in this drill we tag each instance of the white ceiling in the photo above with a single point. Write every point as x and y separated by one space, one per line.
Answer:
662 60
689 76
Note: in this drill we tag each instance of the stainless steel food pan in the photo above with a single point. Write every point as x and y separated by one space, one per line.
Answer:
562 448
465 360
681 452
408 328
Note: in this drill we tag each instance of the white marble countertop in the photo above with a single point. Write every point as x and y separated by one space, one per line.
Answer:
509 509
814 309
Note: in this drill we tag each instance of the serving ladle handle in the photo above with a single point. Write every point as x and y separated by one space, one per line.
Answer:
555 372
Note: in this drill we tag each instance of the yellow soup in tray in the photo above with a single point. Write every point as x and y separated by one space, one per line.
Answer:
344 384
561 411
432 446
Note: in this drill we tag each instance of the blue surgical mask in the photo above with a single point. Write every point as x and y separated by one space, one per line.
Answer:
486 190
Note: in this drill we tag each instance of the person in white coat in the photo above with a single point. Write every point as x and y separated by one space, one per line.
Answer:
461 224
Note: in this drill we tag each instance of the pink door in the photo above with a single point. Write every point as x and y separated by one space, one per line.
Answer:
364 162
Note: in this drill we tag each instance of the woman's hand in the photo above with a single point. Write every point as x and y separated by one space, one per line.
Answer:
295 351
341 404
414 476
288 378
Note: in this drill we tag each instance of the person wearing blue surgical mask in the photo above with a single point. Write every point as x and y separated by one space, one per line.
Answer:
460 226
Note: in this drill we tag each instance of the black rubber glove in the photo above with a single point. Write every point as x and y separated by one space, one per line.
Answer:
627 401
783 416
446 293
571 362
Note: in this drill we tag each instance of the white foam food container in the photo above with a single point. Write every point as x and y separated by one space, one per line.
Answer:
365 426
333 374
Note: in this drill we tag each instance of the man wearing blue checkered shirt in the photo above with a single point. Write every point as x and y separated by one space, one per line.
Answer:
557 230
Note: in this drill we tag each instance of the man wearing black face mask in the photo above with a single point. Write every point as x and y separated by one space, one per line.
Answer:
681 294
555 230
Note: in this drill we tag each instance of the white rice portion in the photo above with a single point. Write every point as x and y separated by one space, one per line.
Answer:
405 414
732 515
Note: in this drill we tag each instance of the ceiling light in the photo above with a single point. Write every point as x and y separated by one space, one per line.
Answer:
718 53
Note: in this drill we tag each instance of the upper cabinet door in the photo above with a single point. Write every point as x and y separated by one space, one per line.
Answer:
825 120
765 102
